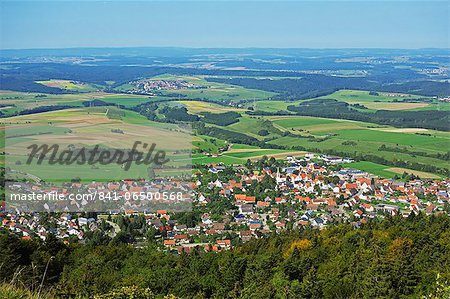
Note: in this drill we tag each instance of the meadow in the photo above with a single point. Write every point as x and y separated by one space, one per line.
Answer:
252 126
108 127
388 172
345 136
14 102
70 85
362 138
236 153
100 125
381 101
96 124
271 106
240 157
386 100
198 107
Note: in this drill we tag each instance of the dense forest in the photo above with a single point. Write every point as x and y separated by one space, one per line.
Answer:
221 119
230 136
390 258
172 114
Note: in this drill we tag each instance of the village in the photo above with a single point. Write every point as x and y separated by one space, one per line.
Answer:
151 87
233 204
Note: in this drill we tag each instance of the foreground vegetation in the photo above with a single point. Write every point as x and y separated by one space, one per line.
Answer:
392 258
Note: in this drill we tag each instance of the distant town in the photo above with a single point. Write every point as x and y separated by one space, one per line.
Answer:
151 87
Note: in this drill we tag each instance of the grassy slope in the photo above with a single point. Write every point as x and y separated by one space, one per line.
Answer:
368 137
70 85
387 171
87 127
384 100
19 101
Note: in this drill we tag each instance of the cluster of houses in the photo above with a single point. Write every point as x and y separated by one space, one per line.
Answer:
310 194
310 191
149 86
445 99
63 226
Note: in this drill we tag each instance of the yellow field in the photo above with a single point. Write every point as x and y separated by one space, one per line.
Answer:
401 130
393 106
198 107
90 127
67 84
421 174
382 101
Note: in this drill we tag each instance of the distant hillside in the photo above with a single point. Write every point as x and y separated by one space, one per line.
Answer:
310 86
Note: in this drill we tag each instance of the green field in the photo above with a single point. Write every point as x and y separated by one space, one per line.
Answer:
126 100
270 106
201 159
374 168
255 153
312 133
351 137
301 122
385 100
357 138
19 101
240 157
208 144
427 143
236 154
198 107
243 146
252 125
70 85
14 102
386 171
382 101
108 127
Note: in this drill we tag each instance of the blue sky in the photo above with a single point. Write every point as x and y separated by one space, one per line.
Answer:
319 24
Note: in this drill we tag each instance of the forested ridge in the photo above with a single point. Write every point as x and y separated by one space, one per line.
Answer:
391 258
313 85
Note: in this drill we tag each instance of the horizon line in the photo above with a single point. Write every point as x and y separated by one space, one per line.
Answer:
234 48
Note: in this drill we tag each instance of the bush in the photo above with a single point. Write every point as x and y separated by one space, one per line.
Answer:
263 133
132 292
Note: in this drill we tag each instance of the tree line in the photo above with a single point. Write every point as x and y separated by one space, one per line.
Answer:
392 258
